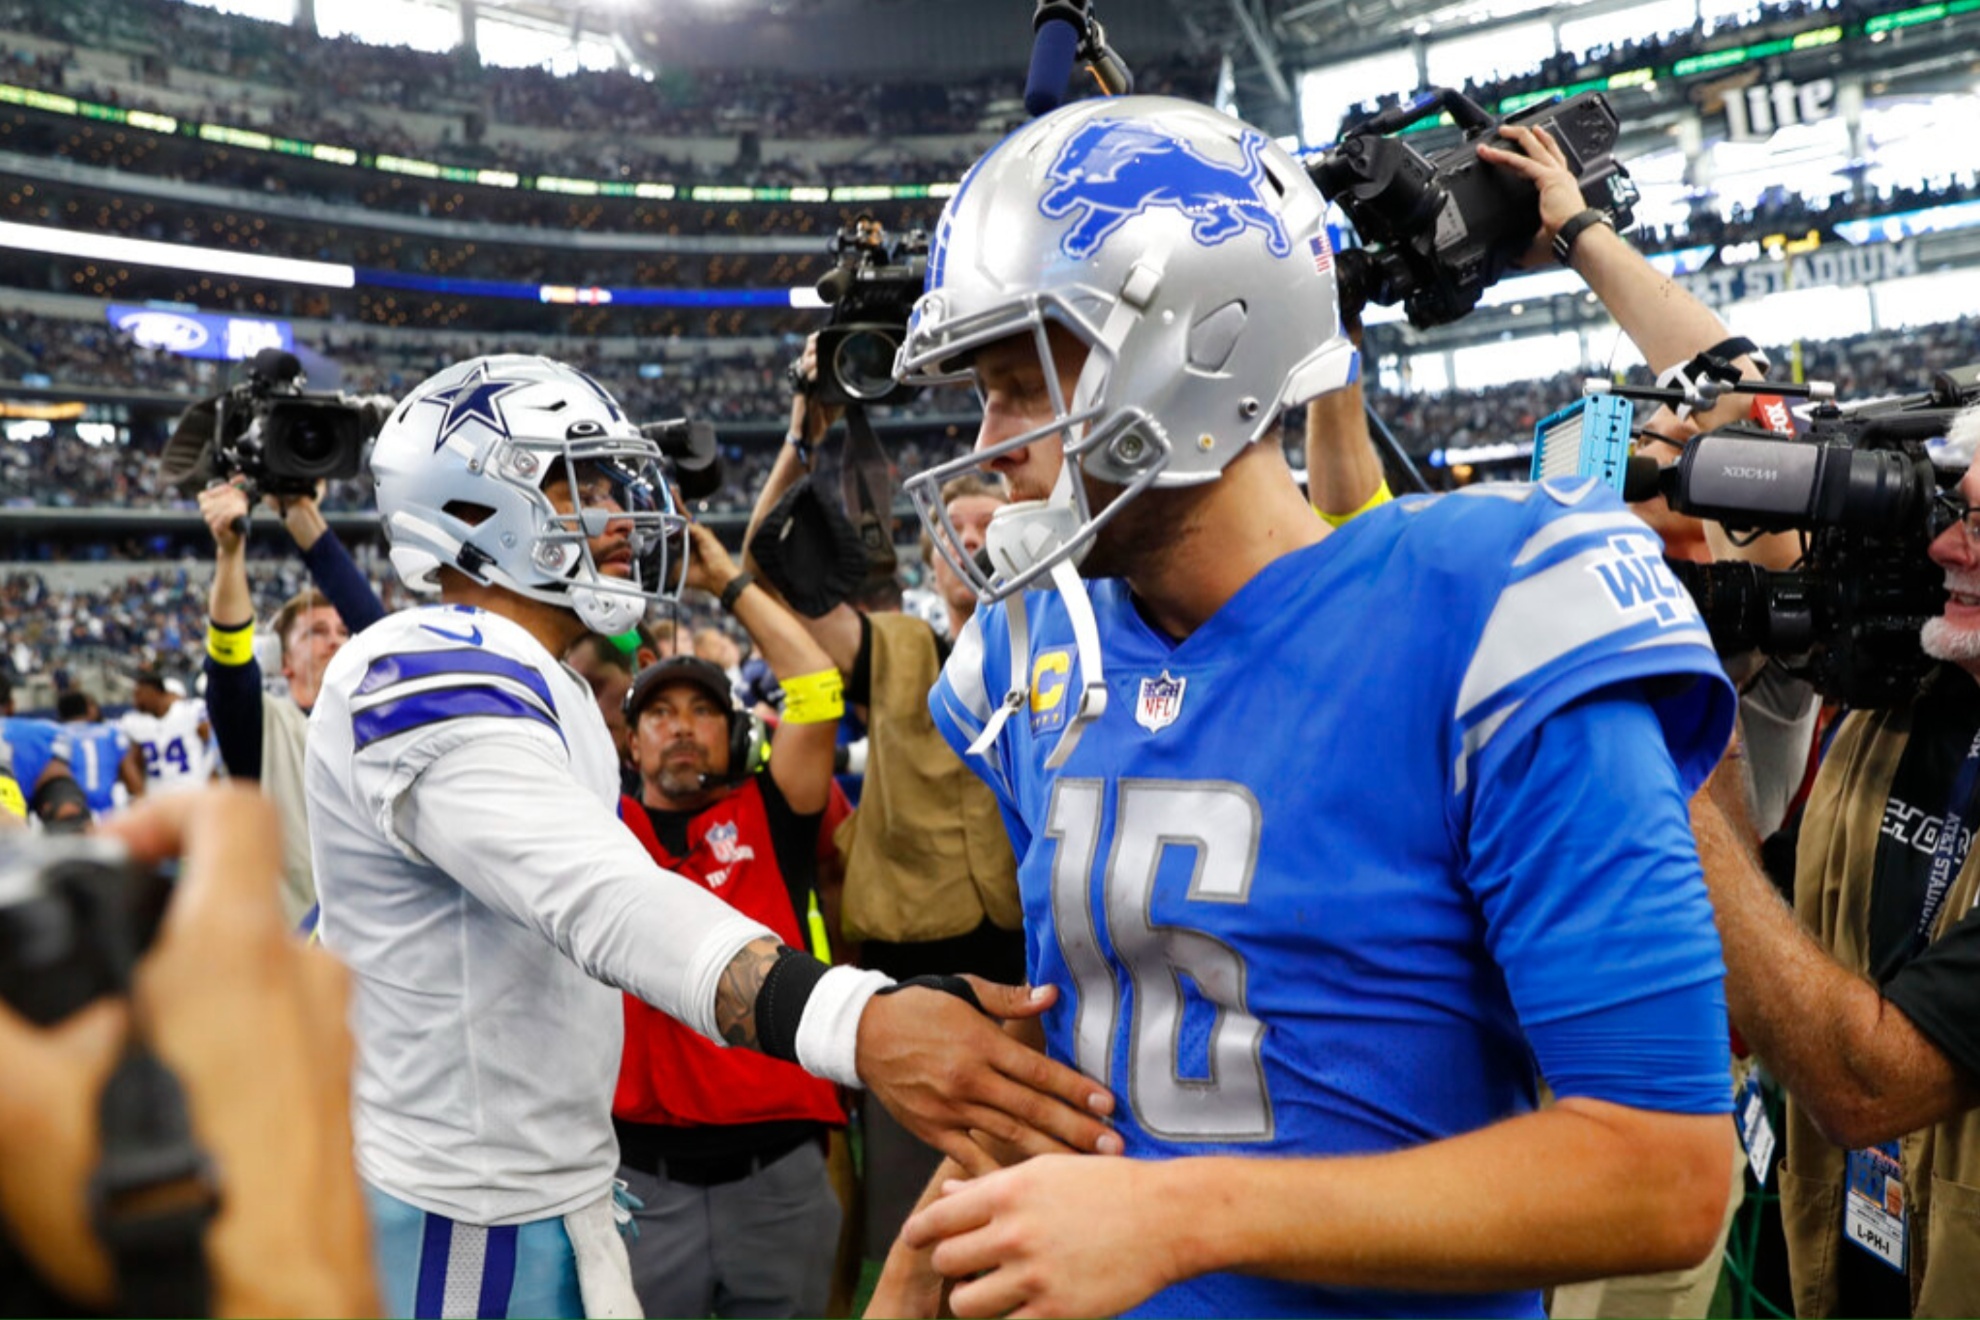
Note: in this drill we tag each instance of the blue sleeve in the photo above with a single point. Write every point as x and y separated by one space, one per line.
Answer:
961 703
1587 604
233 712
1582 859
343 583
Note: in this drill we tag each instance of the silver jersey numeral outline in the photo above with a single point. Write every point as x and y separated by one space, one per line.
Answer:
1220 822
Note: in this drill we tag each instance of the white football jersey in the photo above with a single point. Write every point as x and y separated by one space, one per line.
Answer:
475 877
176 754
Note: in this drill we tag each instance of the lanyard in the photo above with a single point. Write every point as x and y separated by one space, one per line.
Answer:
1946 859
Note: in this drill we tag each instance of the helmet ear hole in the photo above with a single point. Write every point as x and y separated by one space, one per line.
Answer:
1212 339
468 512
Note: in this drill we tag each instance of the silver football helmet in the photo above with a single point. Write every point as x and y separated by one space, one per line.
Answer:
461 466
1189 254
1186 250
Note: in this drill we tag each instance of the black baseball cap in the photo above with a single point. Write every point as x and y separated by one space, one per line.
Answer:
679 669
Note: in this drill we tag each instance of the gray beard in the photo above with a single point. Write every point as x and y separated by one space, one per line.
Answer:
1942 641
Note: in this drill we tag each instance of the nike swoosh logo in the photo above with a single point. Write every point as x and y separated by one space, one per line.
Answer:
472 636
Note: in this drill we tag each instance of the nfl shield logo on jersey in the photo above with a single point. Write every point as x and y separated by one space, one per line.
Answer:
1161 702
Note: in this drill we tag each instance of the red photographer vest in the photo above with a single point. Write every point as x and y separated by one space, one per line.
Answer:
668 1074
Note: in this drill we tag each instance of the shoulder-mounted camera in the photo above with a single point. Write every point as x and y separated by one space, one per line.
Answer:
872 292
268 429
1440 228
1866 497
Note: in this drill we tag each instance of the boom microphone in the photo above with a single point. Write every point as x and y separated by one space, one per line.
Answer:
1059 25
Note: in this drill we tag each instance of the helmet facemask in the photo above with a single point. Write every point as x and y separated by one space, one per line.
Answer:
614 483
1028 538
461 469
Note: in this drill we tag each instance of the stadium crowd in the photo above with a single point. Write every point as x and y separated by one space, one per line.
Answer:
301 78
1749 24
155 617
63 471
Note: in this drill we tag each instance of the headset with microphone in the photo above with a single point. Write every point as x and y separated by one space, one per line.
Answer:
749 736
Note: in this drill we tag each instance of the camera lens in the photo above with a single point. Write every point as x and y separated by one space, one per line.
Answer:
863 364
309 444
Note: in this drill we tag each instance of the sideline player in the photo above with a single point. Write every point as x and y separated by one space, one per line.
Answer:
100 755
476 880
1326 839
171 733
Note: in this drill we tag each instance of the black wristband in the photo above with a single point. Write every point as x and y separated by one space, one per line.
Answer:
738 584
951 985
1566 236
780 1001
1740 346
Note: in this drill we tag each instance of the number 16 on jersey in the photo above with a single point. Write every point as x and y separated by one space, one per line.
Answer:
1220 822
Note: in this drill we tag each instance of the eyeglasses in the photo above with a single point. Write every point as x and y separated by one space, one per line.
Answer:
1948 508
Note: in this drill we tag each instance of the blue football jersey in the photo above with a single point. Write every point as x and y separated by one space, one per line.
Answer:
1272 881
94 752
33 743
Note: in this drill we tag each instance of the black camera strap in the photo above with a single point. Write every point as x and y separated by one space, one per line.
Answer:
1956 824
868 488
152 1195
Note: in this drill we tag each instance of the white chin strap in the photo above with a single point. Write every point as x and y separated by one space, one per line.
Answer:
1019 536
607 612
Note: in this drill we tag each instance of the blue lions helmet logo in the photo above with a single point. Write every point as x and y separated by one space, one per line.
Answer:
1112 170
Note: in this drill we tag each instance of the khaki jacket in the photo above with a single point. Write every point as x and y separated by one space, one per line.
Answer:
284 733
927 854
1833 877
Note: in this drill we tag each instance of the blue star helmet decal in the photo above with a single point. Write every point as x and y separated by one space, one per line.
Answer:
475 399
1112 170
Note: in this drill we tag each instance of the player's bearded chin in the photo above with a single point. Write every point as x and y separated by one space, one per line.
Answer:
1134 539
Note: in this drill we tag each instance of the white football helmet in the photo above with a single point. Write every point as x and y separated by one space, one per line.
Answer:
1189 253
460 468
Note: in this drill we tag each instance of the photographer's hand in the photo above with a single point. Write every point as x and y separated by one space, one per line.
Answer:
810 419
1540 161
252 1023
49 1083
710 568
302 515
1665 321
225 508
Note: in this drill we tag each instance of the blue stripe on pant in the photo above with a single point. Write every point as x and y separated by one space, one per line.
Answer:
432 1266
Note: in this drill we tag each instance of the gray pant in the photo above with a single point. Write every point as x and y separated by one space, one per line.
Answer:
759 1246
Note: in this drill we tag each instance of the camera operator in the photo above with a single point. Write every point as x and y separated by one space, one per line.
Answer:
261 738
931 883
251 1024
1865 1009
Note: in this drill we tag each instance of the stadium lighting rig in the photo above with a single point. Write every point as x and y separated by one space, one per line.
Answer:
174 256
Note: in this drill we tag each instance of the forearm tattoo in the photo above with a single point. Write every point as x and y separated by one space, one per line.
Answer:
735 996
